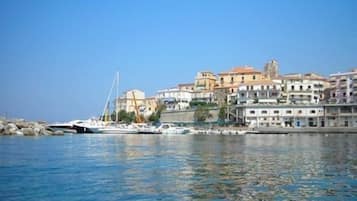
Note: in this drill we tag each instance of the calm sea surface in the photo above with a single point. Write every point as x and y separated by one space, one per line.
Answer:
154 167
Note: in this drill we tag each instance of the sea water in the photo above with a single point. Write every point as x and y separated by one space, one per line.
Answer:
180 167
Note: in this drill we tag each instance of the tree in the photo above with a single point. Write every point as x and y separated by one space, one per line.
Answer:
201 114
155 117
222 114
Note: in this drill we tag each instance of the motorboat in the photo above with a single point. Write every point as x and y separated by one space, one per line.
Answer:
167 128
118 129
65 127
144 128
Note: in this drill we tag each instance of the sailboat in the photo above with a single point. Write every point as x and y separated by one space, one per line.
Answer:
113 127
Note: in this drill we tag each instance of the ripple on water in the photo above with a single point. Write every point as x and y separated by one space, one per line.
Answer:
153 167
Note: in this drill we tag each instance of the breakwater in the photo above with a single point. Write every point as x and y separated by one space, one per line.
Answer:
23 127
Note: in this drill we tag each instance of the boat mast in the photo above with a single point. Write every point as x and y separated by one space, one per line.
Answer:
107 102
117 99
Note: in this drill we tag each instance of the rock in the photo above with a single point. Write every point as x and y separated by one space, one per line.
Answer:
58 132
47 132
37 130
10 129
28 131
22 124
2 128
19 132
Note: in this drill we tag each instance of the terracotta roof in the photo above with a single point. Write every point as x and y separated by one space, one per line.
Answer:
241 70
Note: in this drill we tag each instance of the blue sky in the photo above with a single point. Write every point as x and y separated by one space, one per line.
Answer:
58 58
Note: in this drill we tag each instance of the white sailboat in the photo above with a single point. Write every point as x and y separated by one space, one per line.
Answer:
113 127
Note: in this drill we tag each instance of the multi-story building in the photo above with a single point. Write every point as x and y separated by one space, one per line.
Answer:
186 86
203 96
126 102
259 92
227 83
175 98
205 81
271 69
281 115
343 87
303 88
149 107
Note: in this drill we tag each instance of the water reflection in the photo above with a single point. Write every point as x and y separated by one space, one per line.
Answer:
152 167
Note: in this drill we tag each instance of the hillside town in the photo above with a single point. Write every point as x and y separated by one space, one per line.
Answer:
250 97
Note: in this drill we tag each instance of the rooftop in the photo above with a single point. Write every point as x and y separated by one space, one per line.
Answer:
241 70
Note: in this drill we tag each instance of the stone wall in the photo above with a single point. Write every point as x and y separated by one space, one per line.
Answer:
186 116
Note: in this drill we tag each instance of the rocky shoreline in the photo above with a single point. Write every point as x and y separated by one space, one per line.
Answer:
25 128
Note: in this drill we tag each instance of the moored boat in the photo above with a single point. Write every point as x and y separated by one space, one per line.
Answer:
167 128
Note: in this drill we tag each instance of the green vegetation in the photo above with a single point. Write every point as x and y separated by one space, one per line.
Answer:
222 114
155 117
201 113
123 116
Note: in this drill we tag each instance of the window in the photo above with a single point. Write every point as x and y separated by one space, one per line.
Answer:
242 78
247 88
300 112
276 111
264 112
252 112
274 87
268 87
288 111
262 87
251 87
309 87
301 87
333 95
232 79
242 95
232 90
292 87
253 77
344 94
312 111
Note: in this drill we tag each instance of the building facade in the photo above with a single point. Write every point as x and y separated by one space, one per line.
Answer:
174 98
281 115
303 88
126 102
343 87
205 81
271 70
259 92
227 83
186 86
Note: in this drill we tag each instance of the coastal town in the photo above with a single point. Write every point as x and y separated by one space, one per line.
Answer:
239 100
253 98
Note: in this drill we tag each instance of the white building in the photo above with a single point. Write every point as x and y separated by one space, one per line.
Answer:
260 92
175 98
303 89
343 87
281 115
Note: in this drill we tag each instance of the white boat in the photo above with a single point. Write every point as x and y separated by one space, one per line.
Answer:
119 129
65 127
144 128
88 126
172 129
